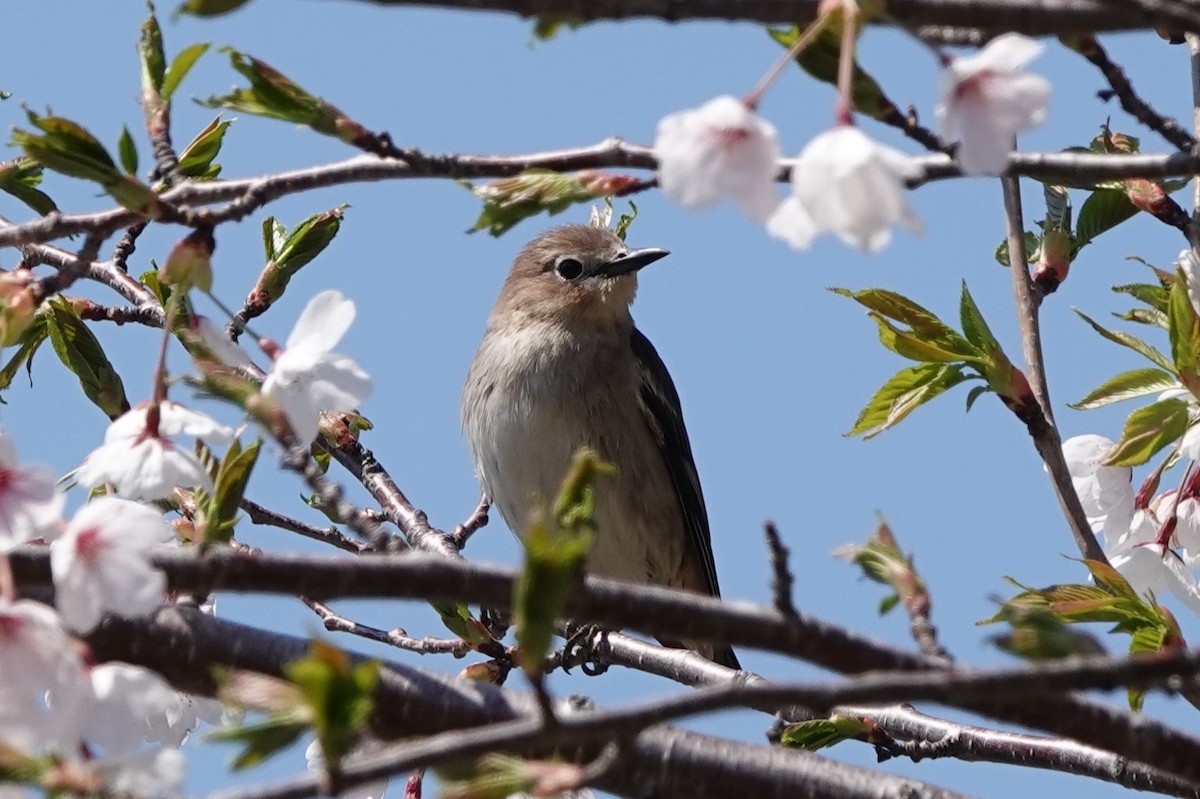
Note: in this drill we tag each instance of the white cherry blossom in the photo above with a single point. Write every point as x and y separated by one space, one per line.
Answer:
1106 492
145 463
128 706
846 183
37 658
100 563
307 377
30 502
721 150
988 98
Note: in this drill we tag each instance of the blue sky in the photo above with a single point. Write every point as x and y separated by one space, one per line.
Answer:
771 367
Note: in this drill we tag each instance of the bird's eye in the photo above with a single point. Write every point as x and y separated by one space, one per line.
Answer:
568 268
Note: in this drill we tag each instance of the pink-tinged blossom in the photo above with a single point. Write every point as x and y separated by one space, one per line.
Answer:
988 98
37 657
100 563
308 377
144 461
846 183
30 502
1148 565
721 150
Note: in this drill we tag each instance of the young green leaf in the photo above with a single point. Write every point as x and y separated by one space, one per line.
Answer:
1102 211
20 177
820 60
509 200
1148 430
1032 243
823 733
926 325
150 50
339 694
272 94
1132 342
1184 331
1156 296
196 160
261 740
180 67
127 152
912 346
555 546
209 8
81 352
306 241
221 511
974 327
1127 385
902 394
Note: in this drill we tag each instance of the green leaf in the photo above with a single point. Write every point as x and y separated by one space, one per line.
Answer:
1183 327
1132 342
339 693
509 200
911 346
274 235
229 487
975 393
927 326
68 148
209 8
127 151
974 327
150 49
822 733
1148 430
180 67
1058 207
81 353
196 160
24 355
272 94
556 543
902 394
1154 295
1127 385
20 178
261 740
306 241
625 220
547 27
1032 242
820 60
1103 210
1110 579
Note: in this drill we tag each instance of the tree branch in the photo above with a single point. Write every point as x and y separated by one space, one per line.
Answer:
1033 17
1028 299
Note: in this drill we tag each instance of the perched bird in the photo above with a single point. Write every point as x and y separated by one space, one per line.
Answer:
562 366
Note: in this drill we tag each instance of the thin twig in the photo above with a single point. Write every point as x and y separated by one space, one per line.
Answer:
781 573
336 622
478 518
1040 420
1091 49
331 535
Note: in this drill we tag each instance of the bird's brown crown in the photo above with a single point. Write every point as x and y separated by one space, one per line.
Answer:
554 278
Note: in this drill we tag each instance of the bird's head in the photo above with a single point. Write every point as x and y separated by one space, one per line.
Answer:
576 274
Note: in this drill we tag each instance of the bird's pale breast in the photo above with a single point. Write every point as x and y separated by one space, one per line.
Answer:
533 397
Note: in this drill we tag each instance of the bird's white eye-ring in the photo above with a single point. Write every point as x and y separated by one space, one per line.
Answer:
568 268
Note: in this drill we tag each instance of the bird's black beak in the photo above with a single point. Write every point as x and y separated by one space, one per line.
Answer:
632 261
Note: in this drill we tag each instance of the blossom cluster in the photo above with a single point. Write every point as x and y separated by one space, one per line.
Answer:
843 181
127 721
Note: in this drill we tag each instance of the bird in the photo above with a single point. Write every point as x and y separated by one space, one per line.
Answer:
562 366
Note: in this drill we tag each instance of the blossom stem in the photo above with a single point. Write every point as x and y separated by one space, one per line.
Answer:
8 589
226 310
850 14
802 42
1168 527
